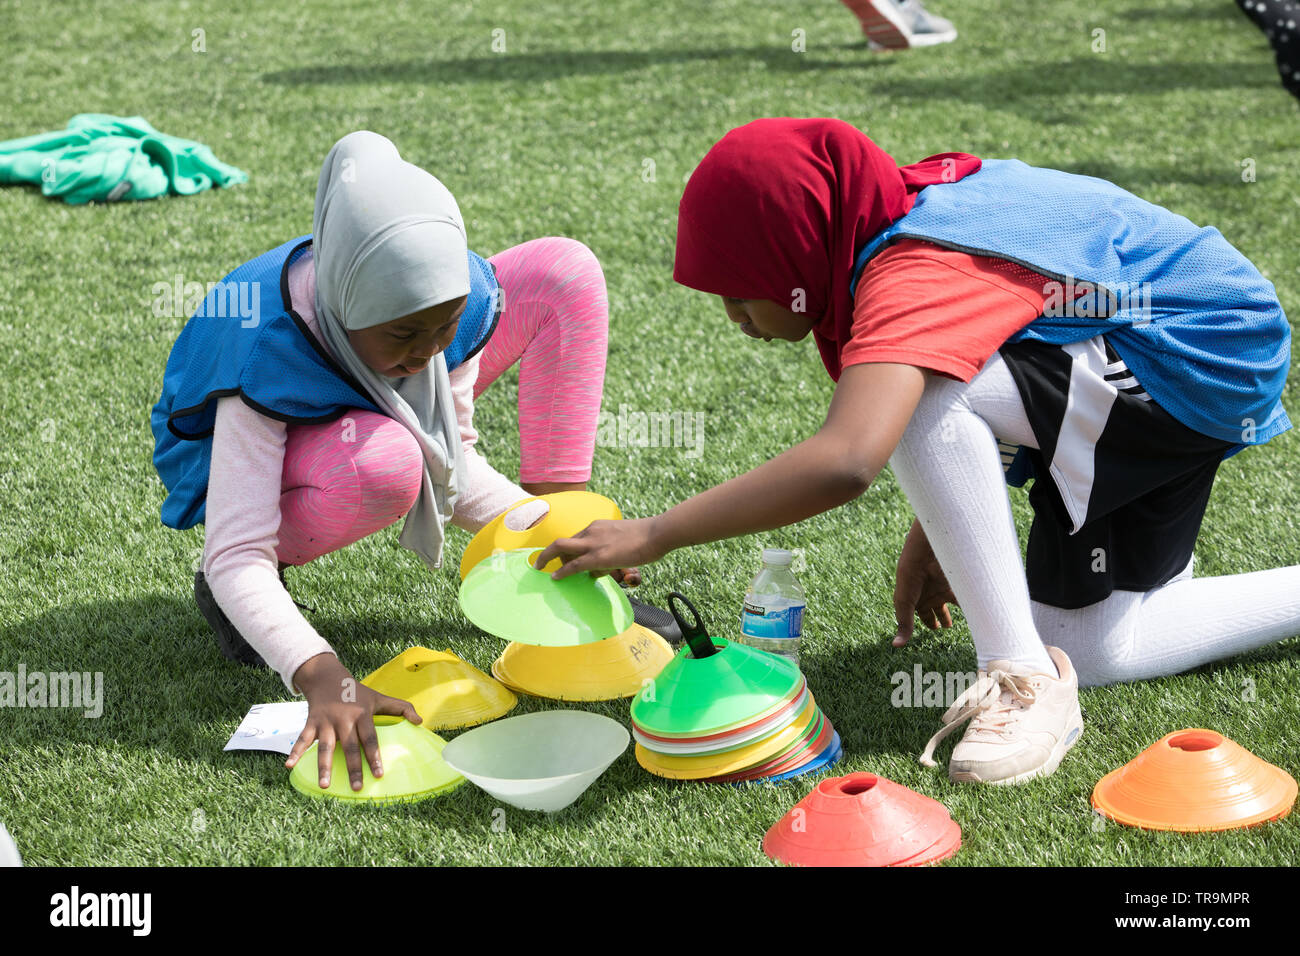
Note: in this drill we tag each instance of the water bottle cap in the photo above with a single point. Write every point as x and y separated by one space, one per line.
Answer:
777 557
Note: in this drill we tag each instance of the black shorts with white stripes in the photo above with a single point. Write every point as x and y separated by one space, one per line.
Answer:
1120 485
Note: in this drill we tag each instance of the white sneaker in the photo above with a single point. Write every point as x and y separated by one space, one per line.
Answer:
899 24
8 852
1021 723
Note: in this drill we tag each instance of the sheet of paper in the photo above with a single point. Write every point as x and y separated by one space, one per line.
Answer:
272 727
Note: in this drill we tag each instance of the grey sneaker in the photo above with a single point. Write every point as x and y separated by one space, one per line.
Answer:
232 643
1021 723
899 24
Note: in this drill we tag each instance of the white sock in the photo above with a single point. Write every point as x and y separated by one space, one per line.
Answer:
948 465
1133 635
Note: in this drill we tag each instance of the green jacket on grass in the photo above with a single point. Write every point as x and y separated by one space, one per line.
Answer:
108 158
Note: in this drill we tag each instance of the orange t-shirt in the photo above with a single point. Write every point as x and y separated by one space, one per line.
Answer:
922 304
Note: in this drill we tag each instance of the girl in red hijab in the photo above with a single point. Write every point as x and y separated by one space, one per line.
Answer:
779 209
773 221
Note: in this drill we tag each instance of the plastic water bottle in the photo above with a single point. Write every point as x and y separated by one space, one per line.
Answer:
772 619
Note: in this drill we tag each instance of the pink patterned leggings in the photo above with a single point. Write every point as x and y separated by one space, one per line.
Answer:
554 323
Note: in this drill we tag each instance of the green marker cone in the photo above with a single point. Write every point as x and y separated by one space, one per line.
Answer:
509 598
413 768
695 696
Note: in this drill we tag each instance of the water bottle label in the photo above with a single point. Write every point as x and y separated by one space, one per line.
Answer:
775 623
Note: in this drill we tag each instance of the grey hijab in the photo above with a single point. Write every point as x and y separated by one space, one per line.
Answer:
388 241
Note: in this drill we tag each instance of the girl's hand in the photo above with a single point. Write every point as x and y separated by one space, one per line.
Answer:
869 412
340 711
920 588
628 577
605 546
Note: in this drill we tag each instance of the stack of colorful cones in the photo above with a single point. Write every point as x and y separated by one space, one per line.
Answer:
726 713
863 820
1195 780
572 640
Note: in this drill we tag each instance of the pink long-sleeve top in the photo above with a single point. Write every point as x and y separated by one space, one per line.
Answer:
243 508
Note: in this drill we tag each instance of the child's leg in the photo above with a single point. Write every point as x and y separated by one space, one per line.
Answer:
555 323
1133 635
949 467
343 481
1130 635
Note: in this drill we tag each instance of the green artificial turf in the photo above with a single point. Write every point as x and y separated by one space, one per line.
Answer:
558 135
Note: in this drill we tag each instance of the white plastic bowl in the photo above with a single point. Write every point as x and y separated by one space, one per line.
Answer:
541 761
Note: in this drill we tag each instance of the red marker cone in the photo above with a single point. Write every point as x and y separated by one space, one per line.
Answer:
863 820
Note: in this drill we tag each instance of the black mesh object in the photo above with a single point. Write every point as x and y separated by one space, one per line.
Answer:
657 620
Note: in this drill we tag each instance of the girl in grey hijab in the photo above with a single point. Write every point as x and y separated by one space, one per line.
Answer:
389 242
388 280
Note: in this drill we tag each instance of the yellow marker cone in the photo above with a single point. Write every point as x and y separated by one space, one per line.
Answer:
606 670
570 512
444 690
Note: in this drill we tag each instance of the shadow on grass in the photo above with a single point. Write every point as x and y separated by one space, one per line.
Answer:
167 689
867 692
1211 10
536 67
1041 85
1134 177
163 671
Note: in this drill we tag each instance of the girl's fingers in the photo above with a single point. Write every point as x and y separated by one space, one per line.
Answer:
558 548
370 745
396 707
945 618
905 610
576 565
352 755
325 755
301 744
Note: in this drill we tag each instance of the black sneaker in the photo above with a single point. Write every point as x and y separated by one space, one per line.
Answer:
1288 63
232 644
657 620
1271 16
1280 20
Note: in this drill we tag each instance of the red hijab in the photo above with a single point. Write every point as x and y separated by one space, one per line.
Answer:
783 204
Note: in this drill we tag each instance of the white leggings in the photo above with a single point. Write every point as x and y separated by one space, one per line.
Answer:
948 465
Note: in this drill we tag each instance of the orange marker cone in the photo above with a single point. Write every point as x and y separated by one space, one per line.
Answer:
863 820
1194 780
